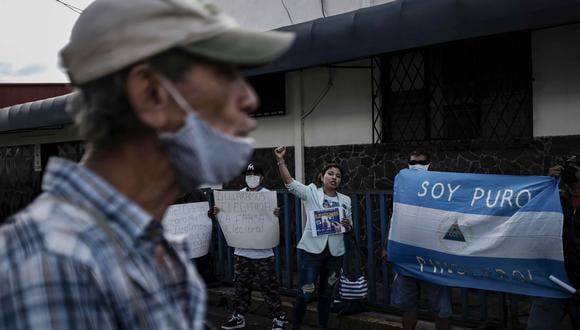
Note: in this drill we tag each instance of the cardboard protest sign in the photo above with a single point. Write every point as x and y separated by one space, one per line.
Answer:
189 222
326 221
247 218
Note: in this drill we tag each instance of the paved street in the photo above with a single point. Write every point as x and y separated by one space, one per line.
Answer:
217 315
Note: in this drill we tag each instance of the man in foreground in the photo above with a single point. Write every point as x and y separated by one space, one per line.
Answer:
162 108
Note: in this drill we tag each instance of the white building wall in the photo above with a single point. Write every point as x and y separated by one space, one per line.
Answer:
556 88
276 131
343 116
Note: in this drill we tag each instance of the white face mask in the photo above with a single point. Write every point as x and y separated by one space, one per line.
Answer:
253 181
201 154
419 167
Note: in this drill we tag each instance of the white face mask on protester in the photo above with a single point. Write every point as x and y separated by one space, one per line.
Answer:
199 153
419 167
253 181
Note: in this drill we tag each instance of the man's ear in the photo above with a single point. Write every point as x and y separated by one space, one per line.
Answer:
147 97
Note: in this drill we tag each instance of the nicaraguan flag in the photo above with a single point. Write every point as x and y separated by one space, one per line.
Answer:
492 232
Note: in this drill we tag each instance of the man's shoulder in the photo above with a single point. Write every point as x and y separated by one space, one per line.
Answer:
47 227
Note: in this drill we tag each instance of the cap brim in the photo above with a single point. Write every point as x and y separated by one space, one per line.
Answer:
243 47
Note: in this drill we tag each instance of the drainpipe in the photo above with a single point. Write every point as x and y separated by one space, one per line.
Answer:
299 128
295 99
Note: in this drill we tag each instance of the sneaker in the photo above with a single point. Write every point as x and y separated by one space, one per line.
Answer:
237 321
279 321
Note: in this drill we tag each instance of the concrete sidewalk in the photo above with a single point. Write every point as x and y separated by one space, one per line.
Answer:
218 315
220 307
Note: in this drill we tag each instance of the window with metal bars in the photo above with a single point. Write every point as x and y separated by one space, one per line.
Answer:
271 89
471 89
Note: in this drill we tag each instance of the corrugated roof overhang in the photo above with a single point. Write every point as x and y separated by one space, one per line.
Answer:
37 114
405 24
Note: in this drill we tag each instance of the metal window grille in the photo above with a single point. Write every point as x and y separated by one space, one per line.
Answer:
377 109
470 89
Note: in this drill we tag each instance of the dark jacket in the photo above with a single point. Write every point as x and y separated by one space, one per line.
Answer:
571 239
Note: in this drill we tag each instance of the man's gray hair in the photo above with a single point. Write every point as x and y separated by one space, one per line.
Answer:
101 109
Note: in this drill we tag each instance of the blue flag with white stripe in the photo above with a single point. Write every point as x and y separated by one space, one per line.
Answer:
492 232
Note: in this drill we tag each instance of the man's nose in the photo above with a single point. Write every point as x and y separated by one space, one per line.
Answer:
248 99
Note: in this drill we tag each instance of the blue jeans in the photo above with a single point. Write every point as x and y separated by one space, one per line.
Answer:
321 269
406 291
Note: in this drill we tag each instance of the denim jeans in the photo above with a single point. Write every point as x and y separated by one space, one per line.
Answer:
320 270
405 293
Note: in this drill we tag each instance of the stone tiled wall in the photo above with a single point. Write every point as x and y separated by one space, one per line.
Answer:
19 183
366 167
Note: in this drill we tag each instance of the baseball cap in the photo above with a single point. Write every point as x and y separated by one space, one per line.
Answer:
254 168
572 159
113 34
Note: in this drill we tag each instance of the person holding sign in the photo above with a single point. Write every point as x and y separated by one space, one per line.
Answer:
254 264
320 251
547 313
405 290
